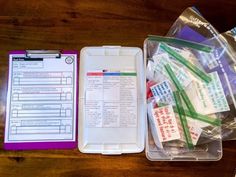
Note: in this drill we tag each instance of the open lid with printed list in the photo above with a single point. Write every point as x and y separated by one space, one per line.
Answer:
111 100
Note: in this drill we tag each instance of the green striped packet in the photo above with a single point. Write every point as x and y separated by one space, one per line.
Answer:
197 116
180 89
194 69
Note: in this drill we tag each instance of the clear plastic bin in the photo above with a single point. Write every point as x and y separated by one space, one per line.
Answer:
210 151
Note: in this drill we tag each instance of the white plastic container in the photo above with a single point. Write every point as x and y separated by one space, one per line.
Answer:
112 140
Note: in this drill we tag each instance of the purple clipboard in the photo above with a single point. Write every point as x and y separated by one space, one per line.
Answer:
39 145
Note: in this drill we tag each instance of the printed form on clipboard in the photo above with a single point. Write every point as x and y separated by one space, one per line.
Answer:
41 101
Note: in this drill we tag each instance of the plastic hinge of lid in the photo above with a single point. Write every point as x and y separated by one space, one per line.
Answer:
112 50
112 152
111 149
111 46
184 158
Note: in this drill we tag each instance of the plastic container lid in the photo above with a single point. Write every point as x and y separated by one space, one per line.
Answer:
119 138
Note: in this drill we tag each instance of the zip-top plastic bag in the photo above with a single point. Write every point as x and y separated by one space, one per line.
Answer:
192 26
185 102
224 62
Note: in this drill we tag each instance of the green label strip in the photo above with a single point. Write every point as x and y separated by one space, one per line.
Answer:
184 43
203 118
180 89
202 75
197 116
183 119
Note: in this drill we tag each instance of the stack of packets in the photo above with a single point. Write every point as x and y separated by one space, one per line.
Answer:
184 101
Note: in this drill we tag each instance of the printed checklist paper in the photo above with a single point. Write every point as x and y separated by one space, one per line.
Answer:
111 99
41 99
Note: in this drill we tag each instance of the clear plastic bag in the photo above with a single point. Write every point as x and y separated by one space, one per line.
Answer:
225 64
192 26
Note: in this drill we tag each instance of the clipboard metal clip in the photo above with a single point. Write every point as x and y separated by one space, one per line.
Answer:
43 53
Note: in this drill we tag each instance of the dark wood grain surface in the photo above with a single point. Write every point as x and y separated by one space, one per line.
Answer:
73 24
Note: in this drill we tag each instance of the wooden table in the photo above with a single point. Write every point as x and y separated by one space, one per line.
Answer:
73 24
